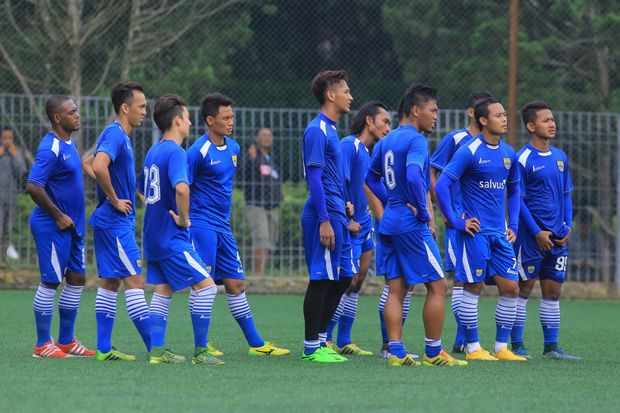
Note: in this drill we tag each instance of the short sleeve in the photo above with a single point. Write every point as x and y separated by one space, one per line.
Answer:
314 147
43 167
348 158
513 174
375 160
177 167
111 142
459 163
443 153
417 153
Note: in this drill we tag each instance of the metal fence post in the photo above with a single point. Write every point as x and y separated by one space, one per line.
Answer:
617 278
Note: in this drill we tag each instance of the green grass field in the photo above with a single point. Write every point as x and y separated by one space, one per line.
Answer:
589 328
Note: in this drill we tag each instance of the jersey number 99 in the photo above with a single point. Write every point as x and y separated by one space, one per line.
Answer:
388 170
152 189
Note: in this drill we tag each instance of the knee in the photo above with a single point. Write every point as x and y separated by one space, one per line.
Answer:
75 279
53 286
234 286
510 290
438 288
110 284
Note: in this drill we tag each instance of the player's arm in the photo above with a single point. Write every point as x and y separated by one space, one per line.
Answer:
182 199
177 176
431 213
375 205
40 173
373 177
513 199
439 160
541 237
140 187
87 166
348 155
568 205
107 149
416 158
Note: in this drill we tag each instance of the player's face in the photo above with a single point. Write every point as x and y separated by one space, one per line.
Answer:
136 111
223 123
68 117
427 116
380 125
341 96
497 121
544 126
184 122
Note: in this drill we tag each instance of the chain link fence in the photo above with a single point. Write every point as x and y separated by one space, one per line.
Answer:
263 53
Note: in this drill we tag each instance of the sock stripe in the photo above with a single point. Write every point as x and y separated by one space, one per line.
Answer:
105 301
70 297
44 299
238 305
203 301
350 304
159 305
136 303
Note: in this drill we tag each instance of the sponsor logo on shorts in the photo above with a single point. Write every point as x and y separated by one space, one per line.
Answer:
139 263
478 272
208 268
530 269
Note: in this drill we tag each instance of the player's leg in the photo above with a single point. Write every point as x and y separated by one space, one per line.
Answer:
68 306
159 306
516 335
137 307
384 339
457 289
348 268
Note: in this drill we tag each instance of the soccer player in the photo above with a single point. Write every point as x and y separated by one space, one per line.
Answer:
370 123
57 223
113 222
411 254
545 225
486 169
172 263
212 163
324 218
442 155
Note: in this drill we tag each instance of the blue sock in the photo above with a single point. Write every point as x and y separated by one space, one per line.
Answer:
139 313
240 310
201 314
397 348
505 314
516 335
406 305
335 318
382 300
159 319
432 347
323 339
43 310
347 319
105 313
68 305
310 346
550 322
468 315
457 294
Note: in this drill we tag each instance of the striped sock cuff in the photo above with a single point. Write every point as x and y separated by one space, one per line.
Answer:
203 301
506 311
384 296
159 305
238 305
350 304
322 337
431 342
521 311
105 301
136 303
192 298
457 295
340 308
407 303
468 313
550 313
44 299
70 297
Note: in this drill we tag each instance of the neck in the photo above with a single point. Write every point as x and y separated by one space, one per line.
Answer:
366 138
61 133
490 138
124 124
263 149
331 112
473 129
539 143
216 138
173 135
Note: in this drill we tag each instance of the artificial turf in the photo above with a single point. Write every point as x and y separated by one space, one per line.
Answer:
589 328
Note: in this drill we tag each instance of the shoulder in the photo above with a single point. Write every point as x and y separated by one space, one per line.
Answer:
456 137
200 147
523 155
509 150
49 142
233 145
316 126
559 153
471 147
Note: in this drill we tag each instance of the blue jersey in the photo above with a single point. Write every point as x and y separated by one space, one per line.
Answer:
58 168
356 163
448 146
544 181
483 171
165 166
211 170
115 143
321 148
401 147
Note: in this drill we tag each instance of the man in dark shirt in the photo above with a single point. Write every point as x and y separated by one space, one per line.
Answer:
263 196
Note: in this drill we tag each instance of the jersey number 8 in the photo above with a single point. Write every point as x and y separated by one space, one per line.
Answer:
390 176
153 191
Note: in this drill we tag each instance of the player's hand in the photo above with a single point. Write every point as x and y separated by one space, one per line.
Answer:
543 240
326 233
432 227
511 236
183 223
563 241
64 222
252 151
413 209
12 148
350 209
122 205
446 223
354 227
472 226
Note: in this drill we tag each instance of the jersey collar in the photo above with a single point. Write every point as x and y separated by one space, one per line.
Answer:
533 149
326 119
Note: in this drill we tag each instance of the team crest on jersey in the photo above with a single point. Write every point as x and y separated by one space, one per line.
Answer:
234 159
478 272
561 166
530 269
507 163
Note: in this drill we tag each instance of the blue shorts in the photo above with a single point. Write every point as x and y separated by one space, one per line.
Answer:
484 256
322 263
533 263
450 248
58 252
359 244
413 255
219 252
117 253
179 271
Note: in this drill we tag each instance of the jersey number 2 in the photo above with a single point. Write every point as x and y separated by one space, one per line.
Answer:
390 176
152 191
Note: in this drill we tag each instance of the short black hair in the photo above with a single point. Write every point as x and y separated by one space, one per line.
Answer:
530 109
358 123
123 93
7 128
324 80
53 104
481 110
478 96
166 109
415 95
210 104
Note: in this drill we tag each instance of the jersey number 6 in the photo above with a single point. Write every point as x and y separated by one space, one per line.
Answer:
390 176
